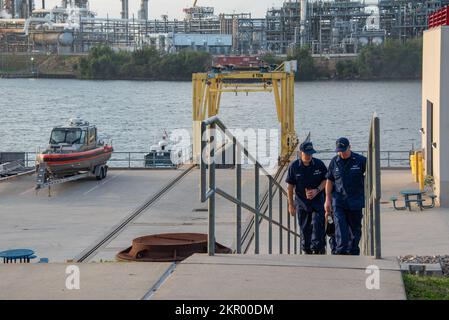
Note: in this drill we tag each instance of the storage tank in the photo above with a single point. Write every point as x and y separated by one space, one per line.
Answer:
363 41
53 38
378 40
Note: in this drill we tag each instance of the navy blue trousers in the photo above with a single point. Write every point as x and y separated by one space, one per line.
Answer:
348 230
312 228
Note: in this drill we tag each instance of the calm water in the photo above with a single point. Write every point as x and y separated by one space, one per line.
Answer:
136 113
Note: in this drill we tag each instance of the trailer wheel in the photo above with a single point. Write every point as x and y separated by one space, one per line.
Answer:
100 174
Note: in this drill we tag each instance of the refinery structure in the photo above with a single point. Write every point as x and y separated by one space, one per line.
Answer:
326 27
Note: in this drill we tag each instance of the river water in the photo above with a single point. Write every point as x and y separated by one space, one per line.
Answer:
136 113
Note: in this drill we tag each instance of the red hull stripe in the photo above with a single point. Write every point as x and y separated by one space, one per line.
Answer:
60 162
77 154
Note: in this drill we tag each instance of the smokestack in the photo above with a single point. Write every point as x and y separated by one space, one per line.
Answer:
143 12
43 4
125 9
30 8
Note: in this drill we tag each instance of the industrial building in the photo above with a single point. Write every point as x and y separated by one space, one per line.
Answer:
326 27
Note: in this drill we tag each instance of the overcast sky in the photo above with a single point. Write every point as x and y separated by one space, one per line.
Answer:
174 7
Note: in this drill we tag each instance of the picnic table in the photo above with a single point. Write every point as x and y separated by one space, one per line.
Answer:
23 255
414 196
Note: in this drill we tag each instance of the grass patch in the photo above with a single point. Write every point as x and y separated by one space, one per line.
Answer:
426 288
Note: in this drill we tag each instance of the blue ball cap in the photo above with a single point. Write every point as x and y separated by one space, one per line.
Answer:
342 145
307 148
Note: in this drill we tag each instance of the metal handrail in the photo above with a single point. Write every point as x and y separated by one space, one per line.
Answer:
136 159
371 245
210 190
119 159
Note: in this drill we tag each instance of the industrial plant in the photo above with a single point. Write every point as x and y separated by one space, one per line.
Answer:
326 27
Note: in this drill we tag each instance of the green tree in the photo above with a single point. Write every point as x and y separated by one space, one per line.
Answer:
306 66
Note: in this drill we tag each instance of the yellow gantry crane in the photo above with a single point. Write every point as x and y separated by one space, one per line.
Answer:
208 89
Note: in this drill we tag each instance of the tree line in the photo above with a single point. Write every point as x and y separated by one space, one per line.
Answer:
146 63
392 60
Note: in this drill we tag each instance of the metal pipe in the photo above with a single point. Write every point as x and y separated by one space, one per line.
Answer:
295 238
246 206
270 215
238 191
280 222
211 234
202 162
256 206
378 191
289 229
125 9
143 12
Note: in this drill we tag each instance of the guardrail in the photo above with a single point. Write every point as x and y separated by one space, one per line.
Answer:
119 159
209 190
388 159
136 160
371 244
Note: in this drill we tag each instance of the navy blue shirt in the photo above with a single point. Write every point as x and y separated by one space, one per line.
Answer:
307 177
348 176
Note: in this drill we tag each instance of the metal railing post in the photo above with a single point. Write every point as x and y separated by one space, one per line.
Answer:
129 160
388 153
295 242
371 244
377 190
257 208
203 164
280 223
238 191
289 231
270 215
211 204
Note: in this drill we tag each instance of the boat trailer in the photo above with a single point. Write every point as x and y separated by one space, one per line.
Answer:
46 180
14 169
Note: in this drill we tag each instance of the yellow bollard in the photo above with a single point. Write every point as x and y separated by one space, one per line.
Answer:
420 170
413 164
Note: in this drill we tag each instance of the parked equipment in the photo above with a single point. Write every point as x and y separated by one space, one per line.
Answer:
74 152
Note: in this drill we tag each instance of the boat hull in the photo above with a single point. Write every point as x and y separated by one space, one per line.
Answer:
71 163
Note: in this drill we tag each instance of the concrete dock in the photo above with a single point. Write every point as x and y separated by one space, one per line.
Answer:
78 213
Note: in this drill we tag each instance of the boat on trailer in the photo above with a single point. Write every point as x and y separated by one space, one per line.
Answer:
74 149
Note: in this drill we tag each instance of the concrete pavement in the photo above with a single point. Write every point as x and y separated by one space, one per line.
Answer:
274 277
105 281
78 214
416 233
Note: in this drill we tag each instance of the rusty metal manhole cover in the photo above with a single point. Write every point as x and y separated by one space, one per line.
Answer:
168 247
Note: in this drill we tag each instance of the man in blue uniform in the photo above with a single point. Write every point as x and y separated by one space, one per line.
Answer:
307 178
345 197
